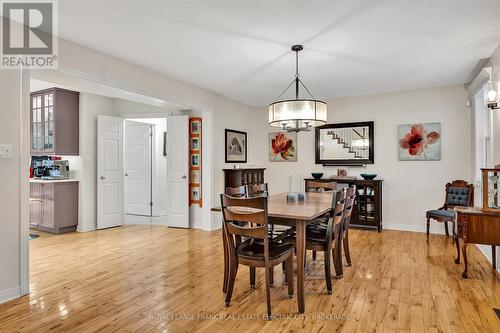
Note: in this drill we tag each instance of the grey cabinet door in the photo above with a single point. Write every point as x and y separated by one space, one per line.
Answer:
47 205
35 206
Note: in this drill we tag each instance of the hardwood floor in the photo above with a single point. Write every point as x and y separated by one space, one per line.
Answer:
139 278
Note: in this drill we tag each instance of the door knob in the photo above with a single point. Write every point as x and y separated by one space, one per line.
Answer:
126 175
184 177
102 177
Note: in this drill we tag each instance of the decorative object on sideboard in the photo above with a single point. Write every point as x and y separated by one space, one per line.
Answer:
195 157
491 189
419 142
299 114
283 147
368 176
317 175
341 172
345 144
236 146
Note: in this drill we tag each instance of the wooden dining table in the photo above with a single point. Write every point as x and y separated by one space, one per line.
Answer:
297 214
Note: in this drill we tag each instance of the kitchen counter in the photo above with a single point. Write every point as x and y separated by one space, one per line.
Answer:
52 181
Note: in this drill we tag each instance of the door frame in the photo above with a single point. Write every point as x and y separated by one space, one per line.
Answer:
81 81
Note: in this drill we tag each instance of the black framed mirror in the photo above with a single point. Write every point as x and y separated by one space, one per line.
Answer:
345 144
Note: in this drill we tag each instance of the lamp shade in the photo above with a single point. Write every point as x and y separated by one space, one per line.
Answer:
297 114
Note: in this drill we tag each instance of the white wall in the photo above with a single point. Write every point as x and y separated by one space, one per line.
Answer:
10 169
410 187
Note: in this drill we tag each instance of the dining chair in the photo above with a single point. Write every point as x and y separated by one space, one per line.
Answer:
266 254
237 192
326 239
315 186
258 190
348 207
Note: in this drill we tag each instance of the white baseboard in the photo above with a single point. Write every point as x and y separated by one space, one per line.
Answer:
486 251
85 228
10 294
437 228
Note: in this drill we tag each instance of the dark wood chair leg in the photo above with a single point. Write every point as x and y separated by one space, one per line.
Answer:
271 276
283 266
233 270
289 276
465 273
252 276
446 228
314 255
457 245
345 243
328 272
428 226
494 256
226 263
337 259
268 290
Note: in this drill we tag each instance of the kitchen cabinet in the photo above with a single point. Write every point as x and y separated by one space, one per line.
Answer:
55 205
55 122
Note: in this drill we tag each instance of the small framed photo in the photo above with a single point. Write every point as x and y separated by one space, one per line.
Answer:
195 160
236 146
195 127
195 143
195 177
195 193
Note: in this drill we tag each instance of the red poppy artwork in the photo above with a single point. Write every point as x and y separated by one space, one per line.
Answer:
283 147
420 142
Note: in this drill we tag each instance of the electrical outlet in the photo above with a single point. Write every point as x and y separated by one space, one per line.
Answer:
5 151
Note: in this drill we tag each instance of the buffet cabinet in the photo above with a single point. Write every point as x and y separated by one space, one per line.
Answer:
367 212
240 177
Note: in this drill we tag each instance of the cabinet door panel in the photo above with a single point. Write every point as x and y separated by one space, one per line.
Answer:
35 206
48 205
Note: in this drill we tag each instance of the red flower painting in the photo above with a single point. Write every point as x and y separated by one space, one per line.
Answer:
282 147
418 139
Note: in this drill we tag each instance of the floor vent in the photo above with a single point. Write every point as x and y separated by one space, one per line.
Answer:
497 311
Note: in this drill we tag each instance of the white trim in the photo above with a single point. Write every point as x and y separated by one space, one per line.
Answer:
86 228
479 81
24 186
436 228
10 294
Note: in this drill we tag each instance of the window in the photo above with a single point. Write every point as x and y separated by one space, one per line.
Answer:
482 140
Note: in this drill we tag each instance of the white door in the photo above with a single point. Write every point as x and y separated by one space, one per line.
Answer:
138 168
109 172
177 171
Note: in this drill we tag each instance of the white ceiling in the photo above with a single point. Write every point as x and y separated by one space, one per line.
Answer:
240 49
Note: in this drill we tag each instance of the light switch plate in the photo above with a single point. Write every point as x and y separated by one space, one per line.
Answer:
5 151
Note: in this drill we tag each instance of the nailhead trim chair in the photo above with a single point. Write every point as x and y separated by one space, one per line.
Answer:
459 193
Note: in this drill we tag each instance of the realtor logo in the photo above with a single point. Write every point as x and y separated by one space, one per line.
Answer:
29 34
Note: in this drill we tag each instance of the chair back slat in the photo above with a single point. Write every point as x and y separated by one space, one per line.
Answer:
245 216
258 190
335 220
237 192
313 186
349 205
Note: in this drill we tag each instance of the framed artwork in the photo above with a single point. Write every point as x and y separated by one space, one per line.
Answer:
283 147
195 160
419 142
236 146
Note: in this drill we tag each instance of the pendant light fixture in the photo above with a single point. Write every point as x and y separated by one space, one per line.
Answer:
299 114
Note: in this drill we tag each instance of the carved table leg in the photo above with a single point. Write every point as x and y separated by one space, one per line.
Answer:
457 244
465 273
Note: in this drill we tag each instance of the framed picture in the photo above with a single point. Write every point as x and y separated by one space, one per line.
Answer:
195 160
195 127
419 142
236 146
195 143
195 177
283 147
195 194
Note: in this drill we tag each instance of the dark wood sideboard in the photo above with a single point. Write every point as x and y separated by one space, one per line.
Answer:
367 212
239 177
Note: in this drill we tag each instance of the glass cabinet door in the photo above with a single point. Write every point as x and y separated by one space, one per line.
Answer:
37 143
48 111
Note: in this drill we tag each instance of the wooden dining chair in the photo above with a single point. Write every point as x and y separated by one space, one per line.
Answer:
237 192
313 186
348 207
327 239
258 190
266 254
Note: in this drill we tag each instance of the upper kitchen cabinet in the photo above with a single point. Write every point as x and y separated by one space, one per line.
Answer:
55 122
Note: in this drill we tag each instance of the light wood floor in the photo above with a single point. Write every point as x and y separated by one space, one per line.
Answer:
138 278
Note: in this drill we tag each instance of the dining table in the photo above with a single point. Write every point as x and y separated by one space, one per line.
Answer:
298 214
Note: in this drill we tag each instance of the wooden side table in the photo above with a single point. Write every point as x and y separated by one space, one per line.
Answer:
478 227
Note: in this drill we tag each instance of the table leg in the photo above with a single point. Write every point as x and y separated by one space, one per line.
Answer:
465 273
301 253
457 245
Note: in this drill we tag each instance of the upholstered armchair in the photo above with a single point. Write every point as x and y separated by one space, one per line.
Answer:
459 193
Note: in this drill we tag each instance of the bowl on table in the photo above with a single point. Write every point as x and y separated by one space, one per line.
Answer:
317 175
368 176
